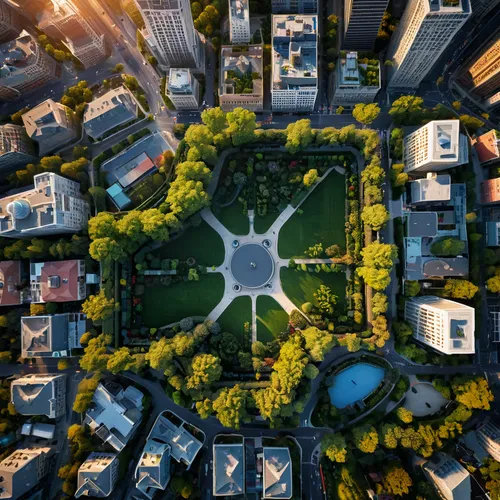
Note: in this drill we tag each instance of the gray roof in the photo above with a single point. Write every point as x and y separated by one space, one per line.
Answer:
153 470
32 395
229 469
422 224
43 335
430 189
277 473
446 267
96 475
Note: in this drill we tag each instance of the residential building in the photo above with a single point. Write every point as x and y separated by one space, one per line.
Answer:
241 80
294 84
183 89
487 147
16 149
40 394
11 283
434 187
52 336
352 83
449 477
436 146
492 233
426 29
294 6
44 431
58 281
65 22
54 206
229 469
97 476
488 435
108 112
24 66
481 7
239 21
277 473
493 101
171 33
23 469
442 324
115 414
362 19
50 124
490 191
11 23
153 469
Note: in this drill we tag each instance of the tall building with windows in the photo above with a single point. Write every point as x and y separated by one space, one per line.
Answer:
362 19
295 6
239 21
450 479
183 89
488 435
10 23
15 148
172 37
481 7
426 29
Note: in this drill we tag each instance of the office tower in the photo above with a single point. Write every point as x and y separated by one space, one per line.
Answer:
439 145
173 38
16 149
426 29
239 21
66 23
362 19
481 7
294 81
24 66
11 23
295 6
183 89
442 324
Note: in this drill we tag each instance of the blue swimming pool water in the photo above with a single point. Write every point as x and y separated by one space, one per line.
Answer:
354 383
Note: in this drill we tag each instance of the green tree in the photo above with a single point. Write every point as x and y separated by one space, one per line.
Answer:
334 447
473 393
404 415
154 224
194 171
310 177
460 289
457 105
161 355
379 255
375 216
230 406
366 113
99 307
95 356
447 247
119 361
241 126
390 435
204 408
73 168
493 284
406 108
205 369
397 481
378 279
317 343
106 248
365 438
379 303
118 68
471 123
353 342
214 119
299 135
412 288
198 134
102 226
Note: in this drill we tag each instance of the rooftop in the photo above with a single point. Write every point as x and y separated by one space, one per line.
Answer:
153 470
95 476
241 70
490 190
180 81
229 469
15 56
10 282
433 188
239 9
422 224
277 473
351 73
487 146
33 394
444 140
449 476
456 6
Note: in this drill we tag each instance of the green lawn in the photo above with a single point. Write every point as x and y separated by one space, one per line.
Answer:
202 242
299 286
262 224
271 318
165 305
233 218
234 317
322 220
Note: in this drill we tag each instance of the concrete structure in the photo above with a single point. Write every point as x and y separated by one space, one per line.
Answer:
294 81
229 469
58 281
44 431
362 19
430 189
24 66
490 191
488 435
97 476
426 29
10 23
294 6
277 466
51 336
51 125
113 109
492 234
11 283
16 150
172 37
65 22
487 147
54 206
183 89
241 78
239 21
23 469
352 85
115 414
449 477
481 7
444 325
41 394
153 469
438 145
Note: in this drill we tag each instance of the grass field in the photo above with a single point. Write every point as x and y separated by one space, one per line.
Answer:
262 224
233 218
234 317
271 318
202 242
165 305
322 220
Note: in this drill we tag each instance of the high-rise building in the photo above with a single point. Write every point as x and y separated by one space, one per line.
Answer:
24 66
481 7
16 148
97 476
442 324
426 29
11 23
295 6
239 21
294 81
183 89
66 22
362 19
169 24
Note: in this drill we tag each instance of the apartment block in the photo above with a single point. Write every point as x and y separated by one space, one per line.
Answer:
492 234
355 82
183 89
65 22
239 21
481 7
11 23
493 101
294 81
487 147
51 125
444 325
98 475
54 206
41 394
295 6
426 29
241 78
11 283
16 149
450 479
436 146
362 19
25 67
277 475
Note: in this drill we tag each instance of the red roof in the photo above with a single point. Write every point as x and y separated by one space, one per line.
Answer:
487 146
60 281
490 191
10 279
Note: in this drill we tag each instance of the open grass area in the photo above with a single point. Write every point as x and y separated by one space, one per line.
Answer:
164 305
272 319
262 224
299 286
202 242
235 316
322 220
234 219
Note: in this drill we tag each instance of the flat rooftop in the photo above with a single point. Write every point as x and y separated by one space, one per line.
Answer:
445 143
241 70
422 224
180 81
432 188
239 9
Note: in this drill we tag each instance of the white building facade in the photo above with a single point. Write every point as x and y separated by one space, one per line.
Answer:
183 89
239 21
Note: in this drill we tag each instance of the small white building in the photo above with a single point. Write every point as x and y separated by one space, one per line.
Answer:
449 477
488 436
183 89
239 21
97 476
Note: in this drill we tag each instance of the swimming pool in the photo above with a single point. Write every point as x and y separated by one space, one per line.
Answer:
354 383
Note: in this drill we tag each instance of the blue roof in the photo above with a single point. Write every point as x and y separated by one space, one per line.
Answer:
118 197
